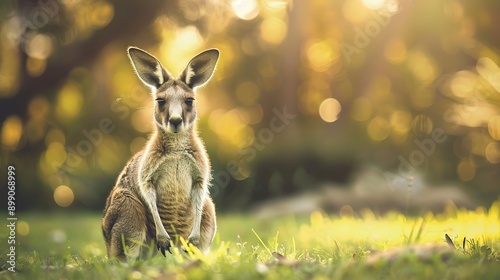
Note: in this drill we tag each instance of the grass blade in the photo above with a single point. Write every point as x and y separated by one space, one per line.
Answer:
420 230
449 241
262 242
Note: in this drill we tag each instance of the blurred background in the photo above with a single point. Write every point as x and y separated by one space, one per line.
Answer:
329 104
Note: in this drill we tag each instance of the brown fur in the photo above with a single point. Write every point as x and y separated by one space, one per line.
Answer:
169 177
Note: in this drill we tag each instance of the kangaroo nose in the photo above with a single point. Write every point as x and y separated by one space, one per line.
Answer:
175 122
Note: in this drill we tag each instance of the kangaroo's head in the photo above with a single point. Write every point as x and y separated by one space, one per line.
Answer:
175 105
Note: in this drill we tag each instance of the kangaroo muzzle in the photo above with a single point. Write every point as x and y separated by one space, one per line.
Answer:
175 124
175 121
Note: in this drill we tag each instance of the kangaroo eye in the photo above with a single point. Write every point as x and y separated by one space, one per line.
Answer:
160 101
189 101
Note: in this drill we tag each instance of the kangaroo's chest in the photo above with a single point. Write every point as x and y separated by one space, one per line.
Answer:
173 181
175 176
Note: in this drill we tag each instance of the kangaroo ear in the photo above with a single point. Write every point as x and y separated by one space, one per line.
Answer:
148 68
200 69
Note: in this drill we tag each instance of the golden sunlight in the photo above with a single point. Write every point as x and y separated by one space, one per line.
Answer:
329 109
362 109
40 46
481 224
494 127
245 9
55 154
55 135
379 128
466 170
422 125
273 30
35 67
321 54
69 101
23 228
141 120
395 51
63 196
102 14
373 4
401 122
492 152
355 12
12 129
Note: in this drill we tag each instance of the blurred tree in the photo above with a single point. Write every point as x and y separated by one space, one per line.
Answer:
104 23
306 92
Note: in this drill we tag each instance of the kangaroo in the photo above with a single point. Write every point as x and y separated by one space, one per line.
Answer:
162 193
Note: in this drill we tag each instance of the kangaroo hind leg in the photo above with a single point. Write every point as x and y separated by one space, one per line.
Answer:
208 225
124 225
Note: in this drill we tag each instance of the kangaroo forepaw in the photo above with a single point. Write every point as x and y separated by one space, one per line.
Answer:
162 249
163 244
194 240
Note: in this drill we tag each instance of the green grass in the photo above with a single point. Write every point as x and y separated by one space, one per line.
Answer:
70 246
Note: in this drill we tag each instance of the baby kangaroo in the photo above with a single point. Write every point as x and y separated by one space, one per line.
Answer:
162 193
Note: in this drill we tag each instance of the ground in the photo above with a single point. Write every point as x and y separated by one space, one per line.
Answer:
318 246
